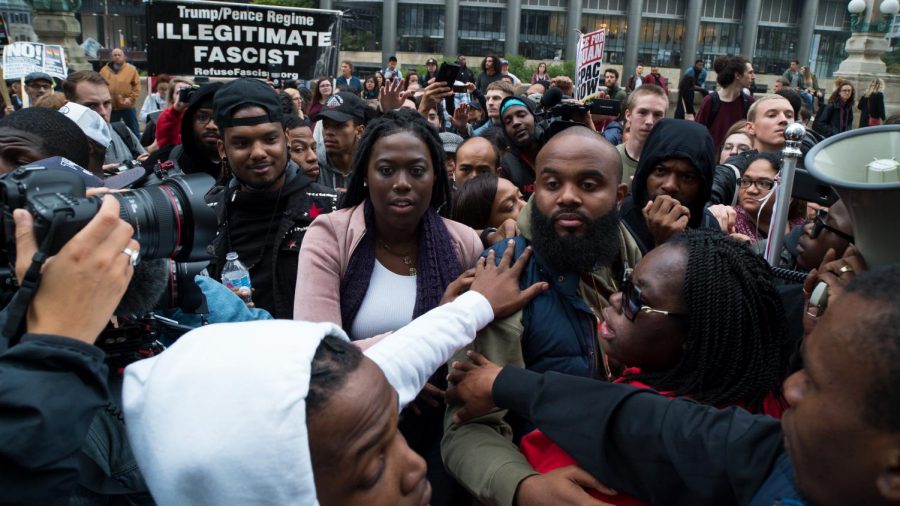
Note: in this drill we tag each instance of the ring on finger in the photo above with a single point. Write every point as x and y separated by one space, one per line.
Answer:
133 255
845 269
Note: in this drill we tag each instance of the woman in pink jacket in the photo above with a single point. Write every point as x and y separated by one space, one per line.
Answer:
388 254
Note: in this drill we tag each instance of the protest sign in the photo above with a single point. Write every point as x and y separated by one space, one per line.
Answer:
589 64
23 58
241 40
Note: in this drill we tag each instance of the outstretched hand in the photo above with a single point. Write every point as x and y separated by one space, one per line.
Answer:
565 485
471 386
499 282
391 98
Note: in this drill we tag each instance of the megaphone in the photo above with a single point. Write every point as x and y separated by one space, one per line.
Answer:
862 165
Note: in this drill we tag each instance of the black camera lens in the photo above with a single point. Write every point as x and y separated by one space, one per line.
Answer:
171 219
182 291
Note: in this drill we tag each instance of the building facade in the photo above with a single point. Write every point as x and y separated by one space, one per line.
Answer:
667 33
17 15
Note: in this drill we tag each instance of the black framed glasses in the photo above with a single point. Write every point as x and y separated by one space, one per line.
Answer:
819 224
763 184
202 117
633 303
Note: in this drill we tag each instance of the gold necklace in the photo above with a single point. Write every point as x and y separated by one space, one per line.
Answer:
406 257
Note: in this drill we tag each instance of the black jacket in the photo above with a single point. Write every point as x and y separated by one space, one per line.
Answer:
188 156
828 120
303 201
665 451
50 389
671 138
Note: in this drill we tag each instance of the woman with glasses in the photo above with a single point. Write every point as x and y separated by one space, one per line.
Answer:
699 318
737 140
322 91
752 214
837 116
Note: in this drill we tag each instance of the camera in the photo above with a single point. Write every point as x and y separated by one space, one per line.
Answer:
181 290
170 218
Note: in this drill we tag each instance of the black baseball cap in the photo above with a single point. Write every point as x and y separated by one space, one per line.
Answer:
430 61
343 107
245 92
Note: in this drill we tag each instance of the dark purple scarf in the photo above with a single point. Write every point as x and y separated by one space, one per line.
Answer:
436 267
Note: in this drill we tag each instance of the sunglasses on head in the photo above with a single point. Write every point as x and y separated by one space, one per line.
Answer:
633 303
819 224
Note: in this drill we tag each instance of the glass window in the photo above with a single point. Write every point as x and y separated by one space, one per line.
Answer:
832 14
542 34
421 28
667 8
661 42
617 6
829 50
615 26
360 26
775 46
783 12
723 10
482 30
719 39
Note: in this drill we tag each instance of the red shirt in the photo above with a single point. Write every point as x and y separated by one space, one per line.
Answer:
168 128
729 113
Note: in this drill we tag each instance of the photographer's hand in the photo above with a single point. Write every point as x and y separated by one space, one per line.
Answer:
81 285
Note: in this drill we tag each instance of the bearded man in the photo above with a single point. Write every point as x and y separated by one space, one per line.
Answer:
582 250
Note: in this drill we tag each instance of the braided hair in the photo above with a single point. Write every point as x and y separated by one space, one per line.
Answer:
402 120
736 325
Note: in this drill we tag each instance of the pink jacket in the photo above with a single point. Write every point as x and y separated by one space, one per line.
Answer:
325 253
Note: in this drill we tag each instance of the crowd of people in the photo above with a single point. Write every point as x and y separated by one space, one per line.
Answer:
471 292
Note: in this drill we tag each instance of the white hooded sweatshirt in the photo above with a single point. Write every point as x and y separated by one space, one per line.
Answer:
220 417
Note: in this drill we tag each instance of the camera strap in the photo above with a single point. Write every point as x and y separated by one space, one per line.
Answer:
18 309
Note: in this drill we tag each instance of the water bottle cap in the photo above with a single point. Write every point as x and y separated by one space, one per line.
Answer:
231 256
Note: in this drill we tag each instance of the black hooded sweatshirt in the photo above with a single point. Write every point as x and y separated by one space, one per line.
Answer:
671 138
188 156
515 164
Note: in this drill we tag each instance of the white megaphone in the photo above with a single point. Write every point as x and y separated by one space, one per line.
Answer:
863 166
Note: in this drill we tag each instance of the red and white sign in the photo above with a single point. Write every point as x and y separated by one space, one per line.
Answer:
589 64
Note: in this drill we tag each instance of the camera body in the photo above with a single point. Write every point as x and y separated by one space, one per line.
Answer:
169 216
46 194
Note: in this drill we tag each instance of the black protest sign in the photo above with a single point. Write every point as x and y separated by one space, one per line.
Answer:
241 40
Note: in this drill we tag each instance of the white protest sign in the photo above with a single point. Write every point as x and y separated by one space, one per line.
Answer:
23 58
589 64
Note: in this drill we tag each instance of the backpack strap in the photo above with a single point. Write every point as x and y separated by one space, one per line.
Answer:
125 134
715 103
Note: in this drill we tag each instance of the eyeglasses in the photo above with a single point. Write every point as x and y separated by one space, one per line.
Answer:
762 184
819 224
633 303
202 117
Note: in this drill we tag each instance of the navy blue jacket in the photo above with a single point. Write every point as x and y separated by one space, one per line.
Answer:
560 329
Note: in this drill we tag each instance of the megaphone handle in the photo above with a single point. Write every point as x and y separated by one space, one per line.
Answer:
818 299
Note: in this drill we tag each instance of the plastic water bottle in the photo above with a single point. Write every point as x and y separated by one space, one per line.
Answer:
236 277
